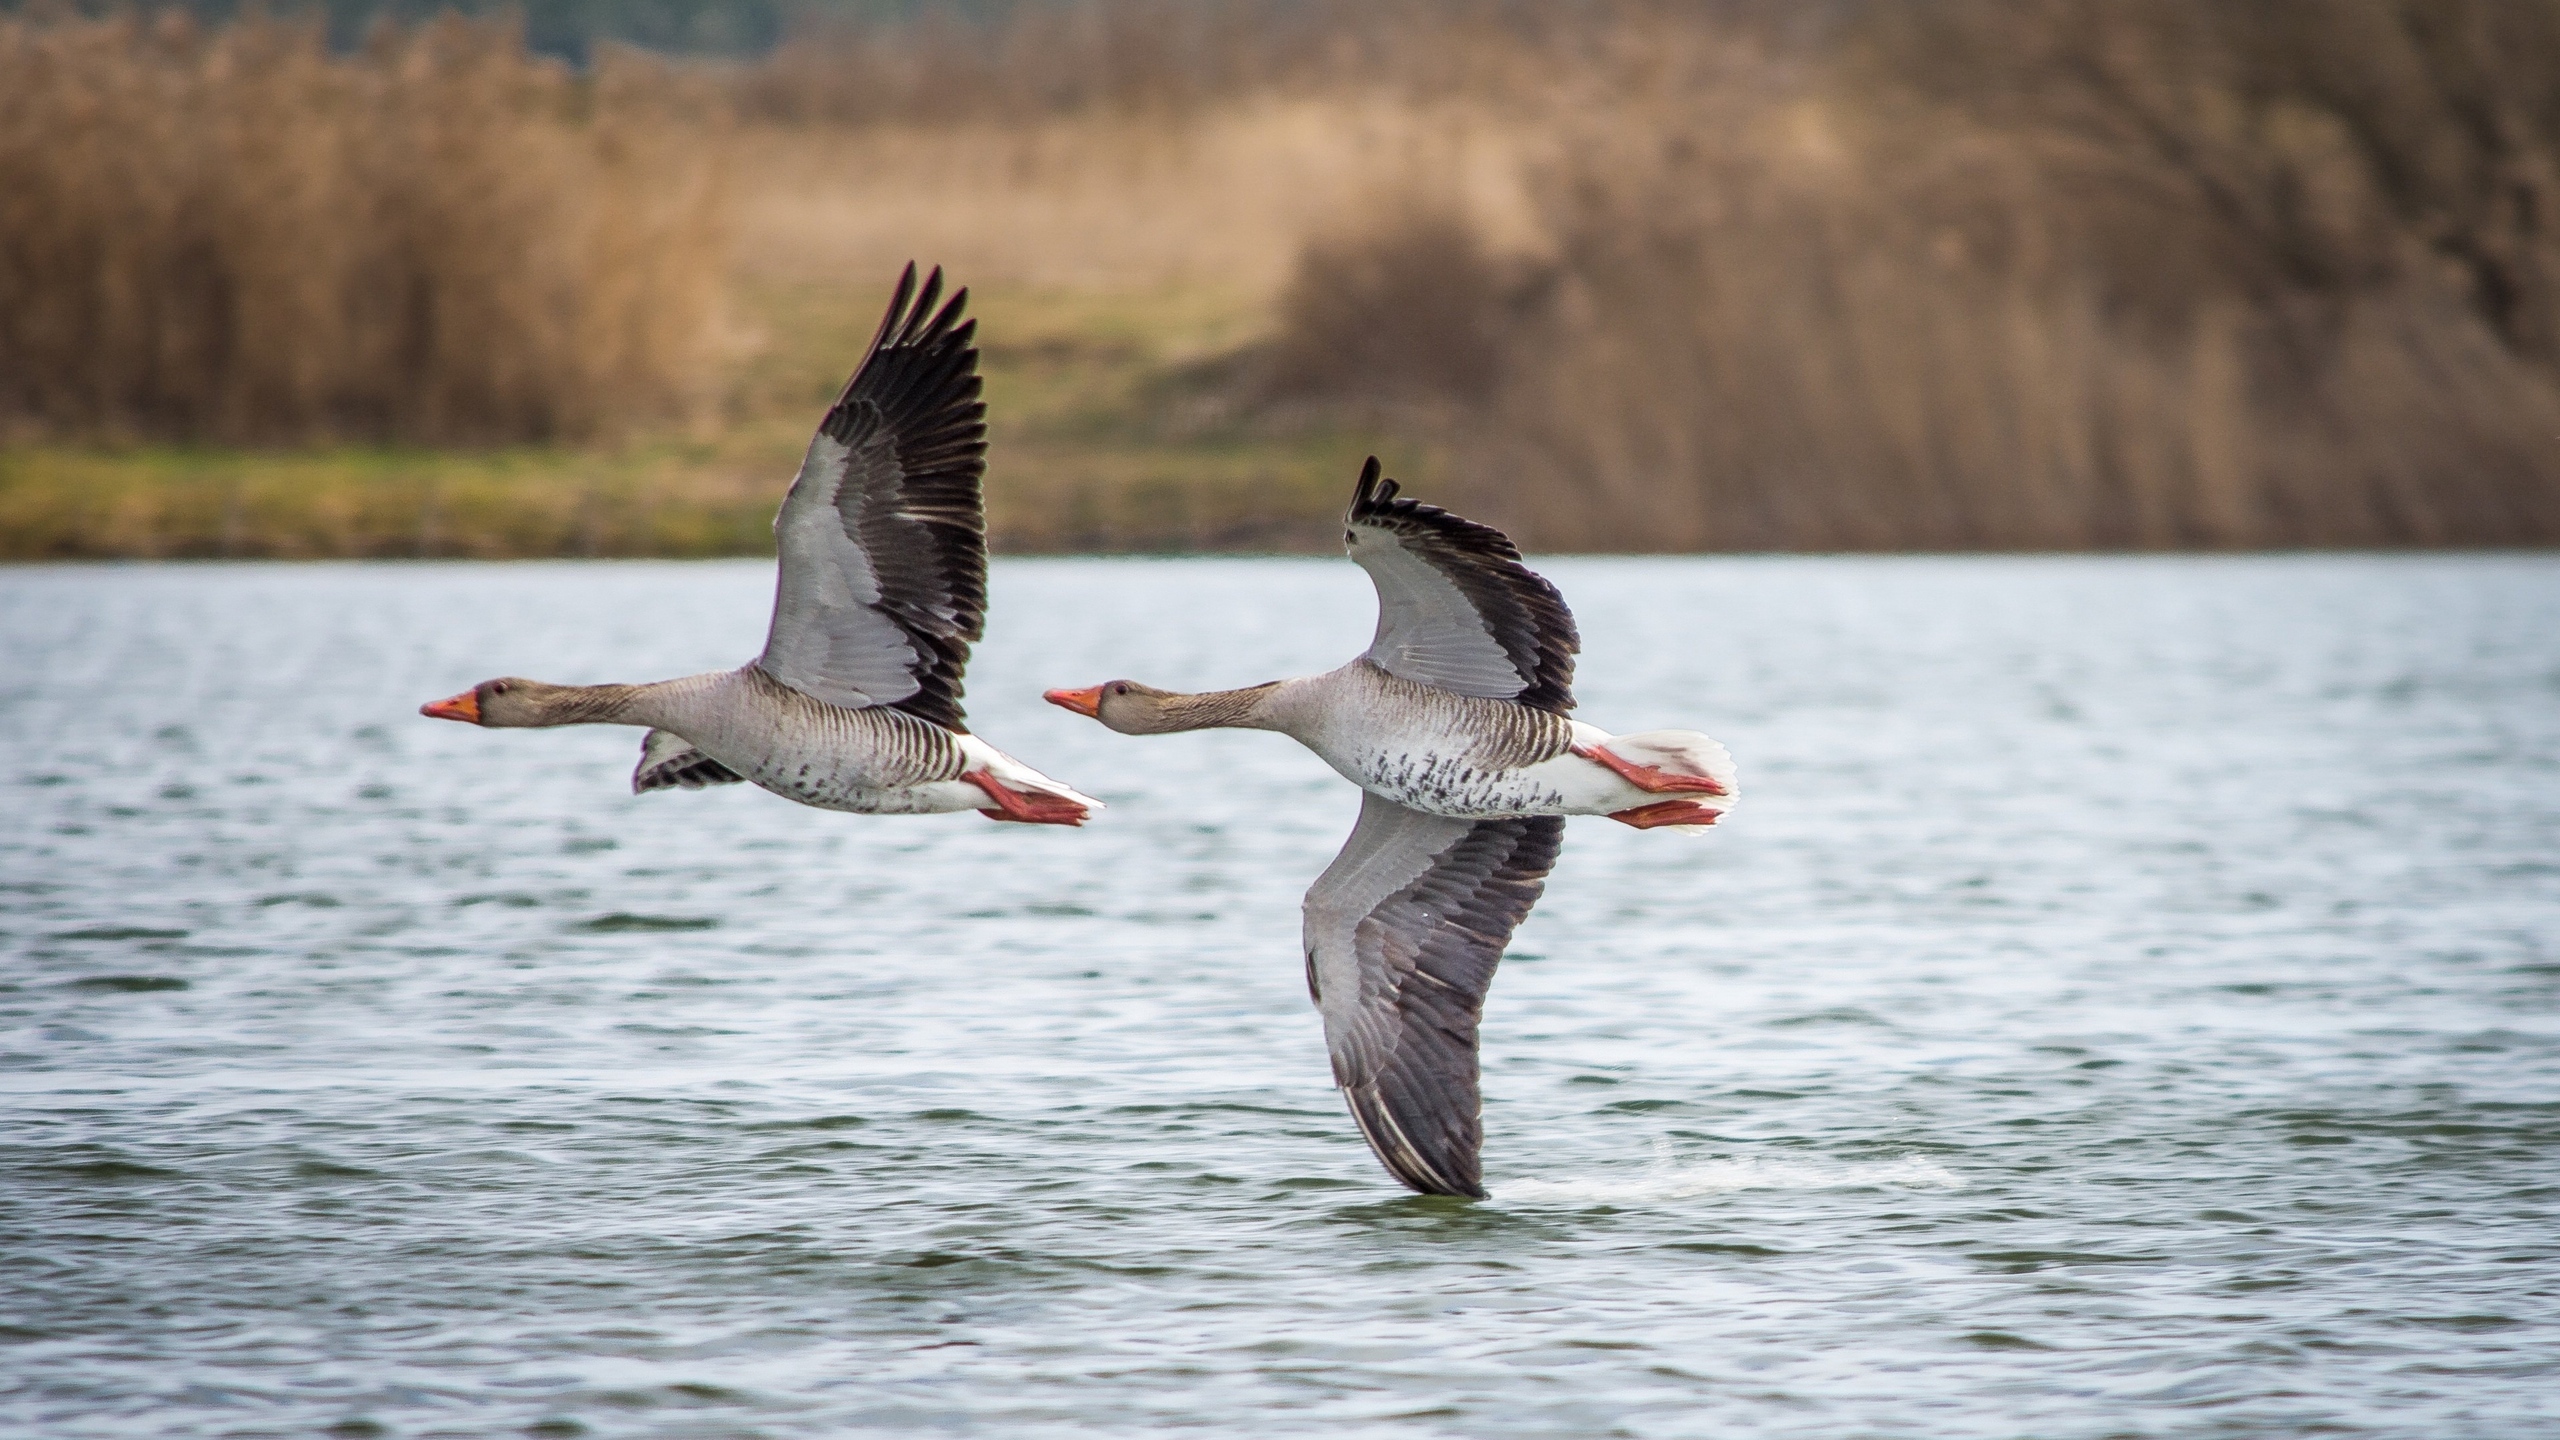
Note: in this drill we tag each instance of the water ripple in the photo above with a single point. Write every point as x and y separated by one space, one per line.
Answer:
2128 1005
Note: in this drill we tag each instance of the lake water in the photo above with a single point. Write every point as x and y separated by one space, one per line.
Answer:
2126 1003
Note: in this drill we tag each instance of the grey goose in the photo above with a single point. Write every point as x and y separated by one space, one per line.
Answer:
855 703
1454 724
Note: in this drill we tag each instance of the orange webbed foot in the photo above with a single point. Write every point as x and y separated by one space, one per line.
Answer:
1668 812
1025 807
1652 779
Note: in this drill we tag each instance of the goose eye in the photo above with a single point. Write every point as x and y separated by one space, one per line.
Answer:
1119 689
498 688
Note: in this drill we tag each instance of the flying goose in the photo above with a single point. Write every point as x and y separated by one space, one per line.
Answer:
1453 724
855 702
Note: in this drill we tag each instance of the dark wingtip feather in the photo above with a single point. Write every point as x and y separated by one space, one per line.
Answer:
915 327
890 323
1364 488
944 323
1457 1173
920 379
897 312
1374 492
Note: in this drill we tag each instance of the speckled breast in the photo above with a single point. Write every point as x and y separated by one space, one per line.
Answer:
1446 754
1445 783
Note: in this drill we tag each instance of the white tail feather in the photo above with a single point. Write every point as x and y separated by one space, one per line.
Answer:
1012 772
1682 752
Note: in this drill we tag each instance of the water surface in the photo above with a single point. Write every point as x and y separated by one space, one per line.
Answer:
2127 1002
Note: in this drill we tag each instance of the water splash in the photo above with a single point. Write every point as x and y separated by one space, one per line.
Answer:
1667 1179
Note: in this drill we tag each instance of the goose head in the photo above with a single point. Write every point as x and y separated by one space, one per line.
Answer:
512 702
1125 706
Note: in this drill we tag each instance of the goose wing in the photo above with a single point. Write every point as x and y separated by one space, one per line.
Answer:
1403 931
1456 608
669 761
883 536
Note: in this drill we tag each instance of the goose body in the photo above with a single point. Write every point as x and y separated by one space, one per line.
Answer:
1469 757
875 761
1453 724
855 703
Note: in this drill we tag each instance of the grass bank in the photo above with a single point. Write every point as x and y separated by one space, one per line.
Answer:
1110 432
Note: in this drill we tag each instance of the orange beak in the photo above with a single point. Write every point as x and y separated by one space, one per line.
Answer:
464 707
1083 702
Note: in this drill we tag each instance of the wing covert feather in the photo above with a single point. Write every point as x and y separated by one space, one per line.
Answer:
1456 607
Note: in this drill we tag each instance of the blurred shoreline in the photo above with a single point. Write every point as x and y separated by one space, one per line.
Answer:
2000 275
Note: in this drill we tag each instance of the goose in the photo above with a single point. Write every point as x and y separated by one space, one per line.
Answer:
855 703
1453 724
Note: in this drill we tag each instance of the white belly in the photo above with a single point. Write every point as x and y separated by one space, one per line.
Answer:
832 781
831 772
866 762
1438 775
935 797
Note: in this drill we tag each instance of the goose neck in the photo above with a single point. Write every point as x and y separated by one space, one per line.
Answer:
1246 709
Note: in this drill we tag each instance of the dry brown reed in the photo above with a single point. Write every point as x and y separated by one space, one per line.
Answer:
1166 59
234 235
1109 203
1623 274
2035 275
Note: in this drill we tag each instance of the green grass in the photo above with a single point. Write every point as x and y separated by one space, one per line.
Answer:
1114 418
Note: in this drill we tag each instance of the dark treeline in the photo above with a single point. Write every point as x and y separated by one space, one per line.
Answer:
567 29
1216 40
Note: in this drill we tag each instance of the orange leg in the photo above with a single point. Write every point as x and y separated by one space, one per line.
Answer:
1652 779
1027 807
1668 812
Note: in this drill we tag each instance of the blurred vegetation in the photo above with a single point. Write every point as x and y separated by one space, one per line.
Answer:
571 30
1097 446
2006 274
234 236
1624 274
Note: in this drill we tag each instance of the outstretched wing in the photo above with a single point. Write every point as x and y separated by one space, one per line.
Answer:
883 536
1456 608
1403 931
